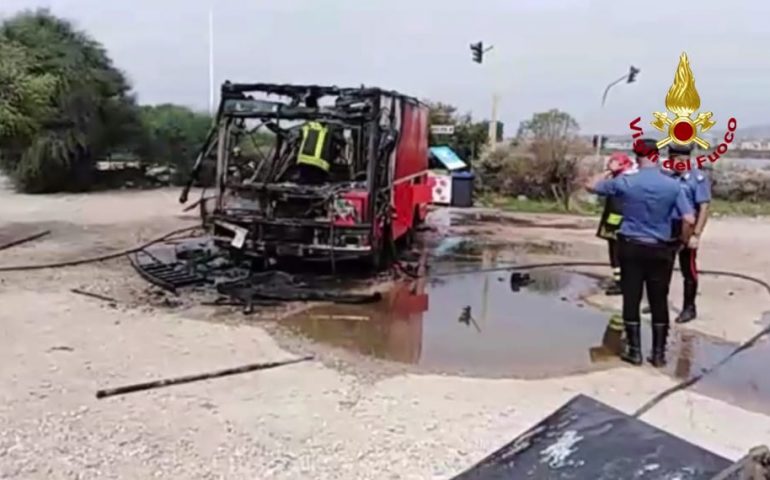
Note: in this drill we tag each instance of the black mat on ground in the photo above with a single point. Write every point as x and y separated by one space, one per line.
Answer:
280 286
586 439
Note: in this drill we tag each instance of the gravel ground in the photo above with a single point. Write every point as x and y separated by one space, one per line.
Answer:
309 420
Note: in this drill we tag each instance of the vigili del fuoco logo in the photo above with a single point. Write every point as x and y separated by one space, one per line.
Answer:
682 101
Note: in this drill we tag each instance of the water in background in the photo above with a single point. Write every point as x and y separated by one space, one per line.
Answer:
756 163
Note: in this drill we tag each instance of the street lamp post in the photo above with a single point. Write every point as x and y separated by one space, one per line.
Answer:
211 60
629 77
478 49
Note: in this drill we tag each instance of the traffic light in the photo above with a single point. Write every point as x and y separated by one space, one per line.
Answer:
632 74
478 51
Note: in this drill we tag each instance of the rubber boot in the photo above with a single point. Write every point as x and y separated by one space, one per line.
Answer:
633 352
688 312
614 287
613 336
659 339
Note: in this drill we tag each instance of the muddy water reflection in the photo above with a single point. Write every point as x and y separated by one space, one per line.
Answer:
542 329
743 380
477 324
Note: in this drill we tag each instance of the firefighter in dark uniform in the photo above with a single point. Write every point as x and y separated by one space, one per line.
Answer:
697 187
610 221
646 246
319 147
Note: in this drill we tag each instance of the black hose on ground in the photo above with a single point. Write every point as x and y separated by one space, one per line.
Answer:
100 258
26 239
533 266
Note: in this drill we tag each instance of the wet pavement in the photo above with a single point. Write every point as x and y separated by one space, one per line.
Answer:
742 381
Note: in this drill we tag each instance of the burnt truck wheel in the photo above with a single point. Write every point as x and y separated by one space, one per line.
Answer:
380 256
416 220
407 241
375 261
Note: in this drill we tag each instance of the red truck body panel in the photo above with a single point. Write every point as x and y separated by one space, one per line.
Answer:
412 150
411 188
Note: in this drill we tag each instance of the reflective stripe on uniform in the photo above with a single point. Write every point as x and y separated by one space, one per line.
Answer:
616 322
616 274
311 150
614 219
608 234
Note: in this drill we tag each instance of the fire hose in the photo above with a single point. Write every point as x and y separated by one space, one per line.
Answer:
100 258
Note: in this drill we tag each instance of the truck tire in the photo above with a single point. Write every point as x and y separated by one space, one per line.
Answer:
408 239
380 258
416 220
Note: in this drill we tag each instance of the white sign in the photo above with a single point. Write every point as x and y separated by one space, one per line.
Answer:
442 129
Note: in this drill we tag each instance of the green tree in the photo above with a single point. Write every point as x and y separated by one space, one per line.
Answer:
90 113
25 95
469 138
173 135
552 139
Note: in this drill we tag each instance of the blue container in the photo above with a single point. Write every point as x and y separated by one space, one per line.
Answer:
462 189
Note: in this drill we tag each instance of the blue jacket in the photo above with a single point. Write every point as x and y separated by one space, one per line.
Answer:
651 200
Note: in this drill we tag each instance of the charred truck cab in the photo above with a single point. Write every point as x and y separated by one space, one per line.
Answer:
320 172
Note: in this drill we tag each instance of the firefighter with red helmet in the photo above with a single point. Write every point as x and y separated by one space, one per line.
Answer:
612 217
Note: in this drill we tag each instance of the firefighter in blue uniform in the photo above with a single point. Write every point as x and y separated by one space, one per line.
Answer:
611 218
697 187
646 245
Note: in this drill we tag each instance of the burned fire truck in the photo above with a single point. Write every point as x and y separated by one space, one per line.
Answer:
375 193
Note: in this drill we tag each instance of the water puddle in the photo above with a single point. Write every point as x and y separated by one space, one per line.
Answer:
454 250
480 324
742 380
461 218
471 323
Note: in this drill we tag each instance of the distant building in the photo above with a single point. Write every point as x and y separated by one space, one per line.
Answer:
754 145
619 145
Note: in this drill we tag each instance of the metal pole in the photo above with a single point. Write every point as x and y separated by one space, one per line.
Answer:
138 387
495 72
492 131
211 60
493 122
604 100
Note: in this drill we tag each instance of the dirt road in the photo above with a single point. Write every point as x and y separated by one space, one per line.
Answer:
310 420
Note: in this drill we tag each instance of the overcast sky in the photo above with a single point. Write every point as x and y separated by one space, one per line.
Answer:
548 53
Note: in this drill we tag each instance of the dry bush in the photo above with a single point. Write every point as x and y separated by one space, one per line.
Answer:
738 183
512 170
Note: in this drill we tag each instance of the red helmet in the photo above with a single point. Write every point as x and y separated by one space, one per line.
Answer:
624 162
